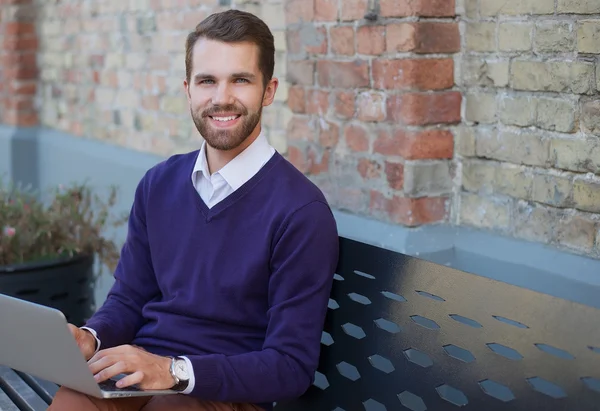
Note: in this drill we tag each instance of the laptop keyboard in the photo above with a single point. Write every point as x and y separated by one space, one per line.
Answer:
111 385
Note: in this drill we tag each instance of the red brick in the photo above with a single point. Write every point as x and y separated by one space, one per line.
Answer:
318 42
191 18
326 10
300 72
342 40
371 39
415 145
368 169
343 74
421 109
352 199
409 211
21 119
329 134
301 129
423 37
21 103
20 72
297 157
353 9
317 163
21 43
158 62
150 102
371 106
424 8
17 59
317 102
420 74
312 40
23 88
344 104
297 99
18 27
357 138
298 11
395 174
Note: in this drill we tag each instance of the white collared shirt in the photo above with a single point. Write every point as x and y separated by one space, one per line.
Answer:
216 187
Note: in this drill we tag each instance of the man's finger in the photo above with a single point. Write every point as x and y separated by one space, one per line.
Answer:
135 378
121 349
106 373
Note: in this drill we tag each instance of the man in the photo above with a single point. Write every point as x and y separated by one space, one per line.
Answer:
229 257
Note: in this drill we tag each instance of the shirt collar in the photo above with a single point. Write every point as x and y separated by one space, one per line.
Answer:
242 167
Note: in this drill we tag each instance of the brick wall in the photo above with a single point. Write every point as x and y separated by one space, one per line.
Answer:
529 146
376 98
113 70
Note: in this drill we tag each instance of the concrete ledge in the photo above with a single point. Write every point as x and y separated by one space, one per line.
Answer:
48 158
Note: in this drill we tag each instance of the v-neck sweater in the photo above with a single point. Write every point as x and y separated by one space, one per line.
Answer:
241 289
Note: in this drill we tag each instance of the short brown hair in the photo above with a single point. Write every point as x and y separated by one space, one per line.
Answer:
233 26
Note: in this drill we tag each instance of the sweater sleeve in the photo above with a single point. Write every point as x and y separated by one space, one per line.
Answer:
119 318
303 261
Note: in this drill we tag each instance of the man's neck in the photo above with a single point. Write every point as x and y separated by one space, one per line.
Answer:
217 159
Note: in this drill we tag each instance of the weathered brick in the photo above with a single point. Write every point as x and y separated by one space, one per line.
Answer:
394 172
369 169
590 117
424 8
371 106
588 36
515 36
306 40
420 74
574 77
427 179
598 77
370 39
425 108
423 37
415 145
554 37
489 178
481 108
297 99
534 222
326 10
174 105
342 40
481 36
299 11
302 128
345 104
342 74
581 155
317 102
517 110
297 157
357 138
465 140
556 115
552 190
409 211
516 7
483 212
329 134
576 233
515 147
485 73
301 72
353 9
586 194
578 6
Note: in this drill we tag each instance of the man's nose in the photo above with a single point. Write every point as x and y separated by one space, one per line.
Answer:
222 95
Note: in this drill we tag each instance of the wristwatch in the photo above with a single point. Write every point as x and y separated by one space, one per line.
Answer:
179 372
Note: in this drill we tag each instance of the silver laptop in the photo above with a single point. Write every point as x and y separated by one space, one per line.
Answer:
36 340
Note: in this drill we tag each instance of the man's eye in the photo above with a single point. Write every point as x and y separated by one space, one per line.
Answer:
242 80
206 81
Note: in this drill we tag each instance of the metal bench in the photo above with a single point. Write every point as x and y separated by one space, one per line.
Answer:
403 333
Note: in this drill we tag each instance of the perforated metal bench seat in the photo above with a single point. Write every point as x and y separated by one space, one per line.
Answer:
22 392
406 334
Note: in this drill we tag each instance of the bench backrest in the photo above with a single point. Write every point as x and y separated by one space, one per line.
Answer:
404 333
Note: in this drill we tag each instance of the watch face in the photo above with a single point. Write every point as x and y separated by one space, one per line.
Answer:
181 370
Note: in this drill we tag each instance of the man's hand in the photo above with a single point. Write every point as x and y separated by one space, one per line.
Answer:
85 340
149 371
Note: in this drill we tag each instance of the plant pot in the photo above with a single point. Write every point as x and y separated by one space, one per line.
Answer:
67 285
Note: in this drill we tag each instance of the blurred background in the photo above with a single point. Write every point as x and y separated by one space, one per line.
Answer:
464 132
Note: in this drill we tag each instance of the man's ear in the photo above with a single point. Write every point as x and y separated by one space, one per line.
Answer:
270 91
186 89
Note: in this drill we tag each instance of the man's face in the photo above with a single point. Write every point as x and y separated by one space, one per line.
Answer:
226 92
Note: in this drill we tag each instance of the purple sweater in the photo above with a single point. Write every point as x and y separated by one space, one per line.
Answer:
241 289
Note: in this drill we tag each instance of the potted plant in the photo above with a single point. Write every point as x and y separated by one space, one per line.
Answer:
53 249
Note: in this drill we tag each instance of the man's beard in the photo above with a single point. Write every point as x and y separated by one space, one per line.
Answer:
226 139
